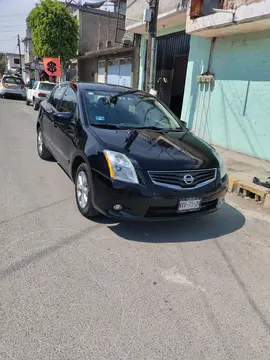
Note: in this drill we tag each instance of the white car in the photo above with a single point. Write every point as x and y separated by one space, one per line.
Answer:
12 85
38 93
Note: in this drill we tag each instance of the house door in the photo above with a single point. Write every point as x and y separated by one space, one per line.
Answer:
119 72
101 71
125 72
169 71
113 72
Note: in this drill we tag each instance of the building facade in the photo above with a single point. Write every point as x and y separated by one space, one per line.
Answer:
230 43
107 53
14 61
172 48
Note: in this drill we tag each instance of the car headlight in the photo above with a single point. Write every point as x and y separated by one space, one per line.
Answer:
221 164
120 167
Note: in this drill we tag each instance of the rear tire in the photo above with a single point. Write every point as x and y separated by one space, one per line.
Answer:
83 192
43 152
36 105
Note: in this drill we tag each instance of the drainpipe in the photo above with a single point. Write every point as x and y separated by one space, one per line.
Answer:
213 41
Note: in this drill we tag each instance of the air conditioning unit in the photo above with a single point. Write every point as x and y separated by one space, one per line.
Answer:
126 42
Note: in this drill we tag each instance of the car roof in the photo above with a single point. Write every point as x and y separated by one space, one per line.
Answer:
102 87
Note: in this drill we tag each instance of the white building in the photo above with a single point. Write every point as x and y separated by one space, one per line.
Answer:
13 61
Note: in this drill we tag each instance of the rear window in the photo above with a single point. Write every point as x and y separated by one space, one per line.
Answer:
46 86
12 80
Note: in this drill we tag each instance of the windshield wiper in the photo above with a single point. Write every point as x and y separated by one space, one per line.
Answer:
108 126
155 128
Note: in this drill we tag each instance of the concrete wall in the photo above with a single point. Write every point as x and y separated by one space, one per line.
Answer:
135 9
233 4
87 69
234 112
96 28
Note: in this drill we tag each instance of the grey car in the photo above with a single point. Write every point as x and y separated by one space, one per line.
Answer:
12 85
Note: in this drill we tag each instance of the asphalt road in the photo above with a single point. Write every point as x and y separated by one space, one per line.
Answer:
71 288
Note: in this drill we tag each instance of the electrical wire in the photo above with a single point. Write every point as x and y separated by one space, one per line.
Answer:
12 15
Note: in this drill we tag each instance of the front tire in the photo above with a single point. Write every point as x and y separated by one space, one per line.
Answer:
43 152
83 192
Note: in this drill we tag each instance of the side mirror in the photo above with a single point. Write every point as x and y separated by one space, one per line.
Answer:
62 118
183 123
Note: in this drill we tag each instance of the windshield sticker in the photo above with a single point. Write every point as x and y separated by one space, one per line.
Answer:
100 118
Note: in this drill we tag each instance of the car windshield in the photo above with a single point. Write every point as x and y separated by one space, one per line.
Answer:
132 109
46 86
12 80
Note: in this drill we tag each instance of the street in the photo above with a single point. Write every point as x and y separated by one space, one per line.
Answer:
71 288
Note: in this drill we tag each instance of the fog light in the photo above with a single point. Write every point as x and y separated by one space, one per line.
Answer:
117 207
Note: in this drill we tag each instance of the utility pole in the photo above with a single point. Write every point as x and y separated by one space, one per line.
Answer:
19 46
152 45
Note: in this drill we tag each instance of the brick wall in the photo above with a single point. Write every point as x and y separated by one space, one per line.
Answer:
98 27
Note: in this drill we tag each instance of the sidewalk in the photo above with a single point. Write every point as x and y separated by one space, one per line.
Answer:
242 169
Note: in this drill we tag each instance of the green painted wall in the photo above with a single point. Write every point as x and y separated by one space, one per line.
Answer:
234 112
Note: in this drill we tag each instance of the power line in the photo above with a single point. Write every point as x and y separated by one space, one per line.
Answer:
11 26
12 15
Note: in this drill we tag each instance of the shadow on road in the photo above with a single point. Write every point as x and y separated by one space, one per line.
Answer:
226 221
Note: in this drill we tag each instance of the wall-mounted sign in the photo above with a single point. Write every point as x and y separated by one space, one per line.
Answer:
52 66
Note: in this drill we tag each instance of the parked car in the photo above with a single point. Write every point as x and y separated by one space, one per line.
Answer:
11 85
38 93
129 156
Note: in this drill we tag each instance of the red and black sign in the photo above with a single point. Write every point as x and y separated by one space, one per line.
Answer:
52 66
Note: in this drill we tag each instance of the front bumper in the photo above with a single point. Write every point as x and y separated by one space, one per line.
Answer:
151 202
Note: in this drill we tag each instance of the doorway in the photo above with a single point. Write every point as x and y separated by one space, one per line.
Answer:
172 60
178 84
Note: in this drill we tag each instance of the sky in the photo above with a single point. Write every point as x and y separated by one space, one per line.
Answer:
13 14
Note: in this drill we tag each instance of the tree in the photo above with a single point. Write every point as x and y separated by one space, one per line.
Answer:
55 32
3 64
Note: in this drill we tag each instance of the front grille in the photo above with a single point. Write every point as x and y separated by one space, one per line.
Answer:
176 179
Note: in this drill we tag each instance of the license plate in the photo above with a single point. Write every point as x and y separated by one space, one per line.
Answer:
189 205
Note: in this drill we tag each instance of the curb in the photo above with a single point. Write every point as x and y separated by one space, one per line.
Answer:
258 194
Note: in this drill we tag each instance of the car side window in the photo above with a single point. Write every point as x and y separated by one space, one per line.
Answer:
70 104
35 85
56 96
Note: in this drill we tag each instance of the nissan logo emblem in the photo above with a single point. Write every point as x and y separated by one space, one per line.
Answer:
188 179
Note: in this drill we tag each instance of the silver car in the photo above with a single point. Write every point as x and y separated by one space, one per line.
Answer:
12 85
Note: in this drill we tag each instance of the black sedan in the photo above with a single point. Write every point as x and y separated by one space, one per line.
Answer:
128 154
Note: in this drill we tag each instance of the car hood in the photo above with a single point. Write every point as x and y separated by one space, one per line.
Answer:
152 150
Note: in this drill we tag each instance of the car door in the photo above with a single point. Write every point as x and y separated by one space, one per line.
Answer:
65 133
48 109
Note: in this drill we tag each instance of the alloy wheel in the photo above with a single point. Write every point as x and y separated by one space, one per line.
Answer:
82 189
40 142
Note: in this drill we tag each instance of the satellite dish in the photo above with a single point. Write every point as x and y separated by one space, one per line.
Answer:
94 4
